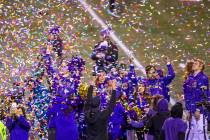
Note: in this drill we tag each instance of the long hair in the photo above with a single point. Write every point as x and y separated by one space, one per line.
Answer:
188 69
156 98
23 110
97 81
136 91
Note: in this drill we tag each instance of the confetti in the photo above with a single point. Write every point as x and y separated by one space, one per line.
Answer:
151 29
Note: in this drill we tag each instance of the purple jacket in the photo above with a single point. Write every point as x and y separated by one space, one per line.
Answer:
159 86
118 115
132 75
18 128
172 127
193 91
66 127
116 121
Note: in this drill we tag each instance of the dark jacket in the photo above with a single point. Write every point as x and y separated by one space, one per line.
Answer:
97 120
156 122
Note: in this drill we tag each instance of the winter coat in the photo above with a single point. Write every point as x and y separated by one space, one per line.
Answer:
156 122
97 120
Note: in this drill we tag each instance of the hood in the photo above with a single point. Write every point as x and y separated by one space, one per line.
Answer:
162 105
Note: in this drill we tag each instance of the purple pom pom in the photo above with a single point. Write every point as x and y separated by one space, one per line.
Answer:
55 30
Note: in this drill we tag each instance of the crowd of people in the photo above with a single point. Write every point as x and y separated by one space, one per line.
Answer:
117 103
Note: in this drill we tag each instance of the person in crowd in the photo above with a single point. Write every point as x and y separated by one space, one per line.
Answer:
130 81
157 84
137 126
18 125
105 53
112 8
117 121
196 94
3 129
40 100
198 129
97 120
52 114
56 42
174 128
145 118
142 98
65 123
101 116
131 114
112 54
99 54
196 85
154 105
156 122
103 86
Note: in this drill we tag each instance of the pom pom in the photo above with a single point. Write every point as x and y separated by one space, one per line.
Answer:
137 110
105 32
83 88
54 30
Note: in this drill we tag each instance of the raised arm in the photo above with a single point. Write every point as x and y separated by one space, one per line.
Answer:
94 53
107 112
89 98
90 93
171 74
112 102
136 124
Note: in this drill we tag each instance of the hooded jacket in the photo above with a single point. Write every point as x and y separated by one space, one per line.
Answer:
97 120
156 122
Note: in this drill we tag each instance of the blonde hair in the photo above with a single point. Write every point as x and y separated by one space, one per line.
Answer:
188 69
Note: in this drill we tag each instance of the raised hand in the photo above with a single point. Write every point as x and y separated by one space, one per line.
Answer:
92 82
114 84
